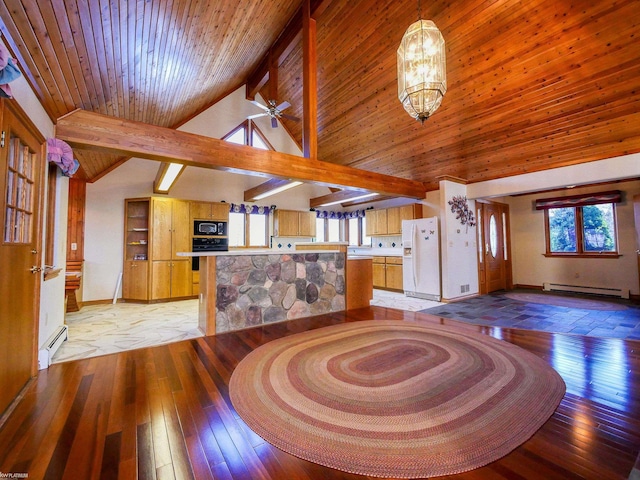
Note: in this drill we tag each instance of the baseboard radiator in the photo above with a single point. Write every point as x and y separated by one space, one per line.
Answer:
55 341
604 291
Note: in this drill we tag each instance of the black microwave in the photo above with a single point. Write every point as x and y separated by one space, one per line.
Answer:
209 228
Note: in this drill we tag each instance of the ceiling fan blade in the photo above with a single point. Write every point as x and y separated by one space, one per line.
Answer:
290 117
274 122
265 114
283 105
258 104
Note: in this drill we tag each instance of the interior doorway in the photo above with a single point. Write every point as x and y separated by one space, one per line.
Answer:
21 169
494 251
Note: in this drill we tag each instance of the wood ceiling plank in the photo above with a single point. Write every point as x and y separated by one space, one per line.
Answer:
86 130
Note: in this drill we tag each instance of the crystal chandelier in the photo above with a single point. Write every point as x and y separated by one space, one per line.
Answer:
422 69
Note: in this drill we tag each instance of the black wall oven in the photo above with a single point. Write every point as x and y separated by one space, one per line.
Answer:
208 244
209 228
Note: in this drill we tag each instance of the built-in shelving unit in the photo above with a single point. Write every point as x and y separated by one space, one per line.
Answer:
136 249
137 229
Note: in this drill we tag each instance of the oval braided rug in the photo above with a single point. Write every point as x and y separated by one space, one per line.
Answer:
390 398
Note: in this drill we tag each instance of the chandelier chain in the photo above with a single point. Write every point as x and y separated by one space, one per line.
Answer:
419 11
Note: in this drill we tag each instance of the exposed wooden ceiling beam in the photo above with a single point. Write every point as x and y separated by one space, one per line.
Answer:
336 197
94 131
287 40
257 192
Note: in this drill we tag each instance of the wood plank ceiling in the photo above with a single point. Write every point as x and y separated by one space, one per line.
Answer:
531 85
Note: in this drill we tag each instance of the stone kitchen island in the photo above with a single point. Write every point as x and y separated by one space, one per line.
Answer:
248 288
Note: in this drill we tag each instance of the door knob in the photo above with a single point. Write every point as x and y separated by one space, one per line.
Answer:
35 269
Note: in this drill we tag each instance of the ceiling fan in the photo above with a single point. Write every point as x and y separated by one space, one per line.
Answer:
274 111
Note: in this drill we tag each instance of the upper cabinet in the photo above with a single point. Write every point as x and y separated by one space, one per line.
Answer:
388 221
294 223
170 228
209 211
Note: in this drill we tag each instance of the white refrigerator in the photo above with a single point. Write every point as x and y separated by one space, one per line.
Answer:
421 258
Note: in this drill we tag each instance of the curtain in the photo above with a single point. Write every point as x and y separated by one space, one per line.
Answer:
252 209
613 196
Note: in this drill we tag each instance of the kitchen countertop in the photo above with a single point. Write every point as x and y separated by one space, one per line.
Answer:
375 252
252 252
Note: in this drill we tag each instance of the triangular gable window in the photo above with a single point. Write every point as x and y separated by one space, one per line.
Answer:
248 133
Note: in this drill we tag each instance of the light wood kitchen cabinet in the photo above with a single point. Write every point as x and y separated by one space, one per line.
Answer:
294 223
379 272
388 221
394 273
209 211
170 279
156 229
135 280
170 228
171 233
376 222
387 273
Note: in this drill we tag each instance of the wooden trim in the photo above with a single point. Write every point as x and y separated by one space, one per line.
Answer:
253 127
75 221
52 181
579 226
582 255
94 131
528 287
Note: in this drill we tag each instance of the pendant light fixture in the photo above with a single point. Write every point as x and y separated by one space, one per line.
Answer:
422 69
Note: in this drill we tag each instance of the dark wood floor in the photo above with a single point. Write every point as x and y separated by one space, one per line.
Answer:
164 412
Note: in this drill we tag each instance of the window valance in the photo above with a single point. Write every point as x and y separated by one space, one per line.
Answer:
251 209
613 196
339 215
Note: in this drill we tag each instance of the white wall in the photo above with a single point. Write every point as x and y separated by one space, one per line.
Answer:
531 267
458 246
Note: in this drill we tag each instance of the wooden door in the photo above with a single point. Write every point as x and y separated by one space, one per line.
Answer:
21 168
161 229
636 216
497 265
181 279
180 228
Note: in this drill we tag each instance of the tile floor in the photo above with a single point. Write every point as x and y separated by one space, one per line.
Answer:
102 329
496 310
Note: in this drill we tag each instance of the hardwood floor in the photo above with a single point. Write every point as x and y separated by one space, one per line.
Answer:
164 412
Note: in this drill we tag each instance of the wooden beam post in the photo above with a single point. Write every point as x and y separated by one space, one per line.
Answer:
309 83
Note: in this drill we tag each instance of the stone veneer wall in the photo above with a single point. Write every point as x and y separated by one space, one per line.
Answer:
256 289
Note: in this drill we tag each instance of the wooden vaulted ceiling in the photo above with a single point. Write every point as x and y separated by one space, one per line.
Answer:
531 85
